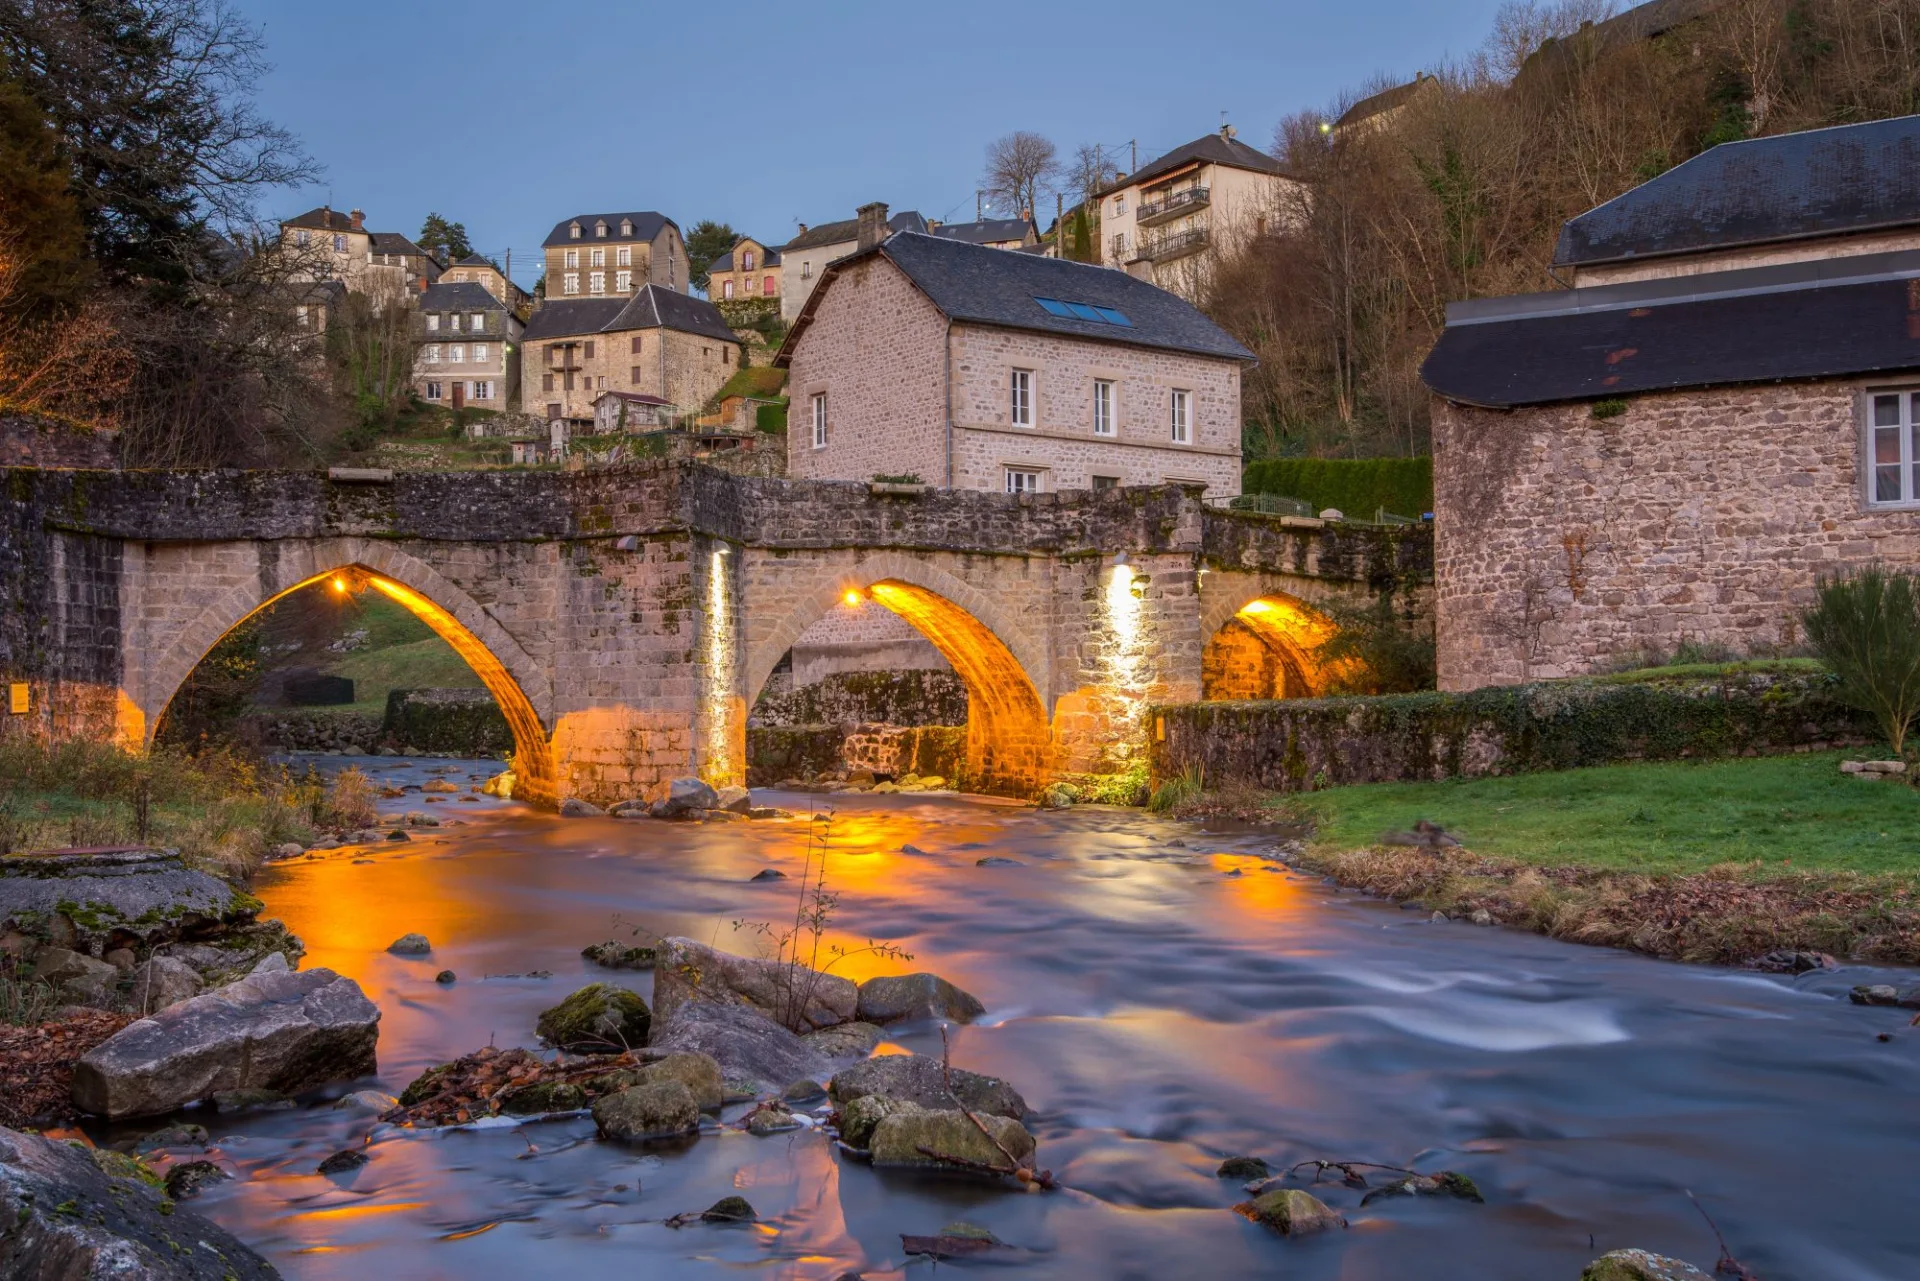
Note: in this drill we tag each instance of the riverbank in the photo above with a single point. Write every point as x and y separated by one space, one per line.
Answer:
1713 861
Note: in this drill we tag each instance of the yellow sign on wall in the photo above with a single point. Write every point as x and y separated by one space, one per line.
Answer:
17 700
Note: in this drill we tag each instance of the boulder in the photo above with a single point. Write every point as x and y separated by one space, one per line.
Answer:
172 1136
271 963
619 956
899 1137
161 981
598 1018
1291 1212
345 1161
735 800
729 1209
66 1216
78 978
286 1032
685 796
122 959
771 1118
1874 994
655 1110
238 950
1059 796
700 1073
185 1180
803 1090
1243 1168
1788 960
688 971
1640 1265
574 807
543 1097
1446 1183
744 1042
410 945
896 997
858 1118
848 1041
917 1079
366 1101
91 902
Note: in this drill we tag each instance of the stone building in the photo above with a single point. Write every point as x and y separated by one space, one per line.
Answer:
1382 111
804 259
1725 408
975 368
324 244
1169 221
391 249
466 349
749 270
613 255
487 274
658 342
994 233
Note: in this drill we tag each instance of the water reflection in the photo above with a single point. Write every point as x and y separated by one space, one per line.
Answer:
1161 1005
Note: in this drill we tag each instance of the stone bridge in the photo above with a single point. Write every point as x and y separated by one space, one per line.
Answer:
627 618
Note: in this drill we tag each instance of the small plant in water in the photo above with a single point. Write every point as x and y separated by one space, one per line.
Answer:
1182 789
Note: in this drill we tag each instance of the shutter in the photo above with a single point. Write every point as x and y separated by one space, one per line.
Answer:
589 349
636 344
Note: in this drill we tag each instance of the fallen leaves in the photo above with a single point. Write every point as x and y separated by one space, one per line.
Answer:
36 1065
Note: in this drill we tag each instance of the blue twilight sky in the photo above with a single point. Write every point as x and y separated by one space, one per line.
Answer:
510 117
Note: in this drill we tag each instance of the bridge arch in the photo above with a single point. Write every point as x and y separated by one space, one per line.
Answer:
1009 743
1262 644
516 682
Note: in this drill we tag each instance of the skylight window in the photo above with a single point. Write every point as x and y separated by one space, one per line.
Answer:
1083 311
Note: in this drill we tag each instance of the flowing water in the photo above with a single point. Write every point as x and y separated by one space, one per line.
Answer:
1161 996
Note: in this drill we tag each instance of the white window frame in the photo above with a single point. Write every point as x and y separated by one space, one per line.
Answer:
479 353
433 353
820 420
622 281
1119 204
726 290
477 322
1020 397
1180 415
482 389
596 282
1903 434
339 244
623 256
572 258
433 322
456 354
302 238
453 322
433 391
1025 480
1103 407
570 283
596 257
806 269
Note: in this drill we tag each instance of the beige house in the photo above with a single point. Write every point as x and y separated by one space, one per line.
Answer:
466 349
325 244
1723 410
974 368
658 343
613 255
1167 222
804 259
1379 112
749 270
486 273
391 249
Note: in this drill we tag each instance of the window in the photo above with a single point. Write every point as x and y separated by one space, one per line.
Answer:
477 321
1020 398
300 317
479 352
623 256
768 287
635 340
339 244
597 282
573 233
1895 447
1102 407
600 228
589 349
623 282
553 410
573 257
726 355
806 271
433 321
634 376
433 353
626 226
746 260
820 421
456 354
1119 243
453 321
1106 482
1083 311
600 383
597 257
303 238
726 289
1179 416
483 390
433 391
570 284
1119 204
546 382
1023 480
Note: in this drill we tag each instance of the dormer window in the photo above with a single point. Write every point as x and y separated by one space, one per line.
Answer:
746 260
626 227
573 231
600 229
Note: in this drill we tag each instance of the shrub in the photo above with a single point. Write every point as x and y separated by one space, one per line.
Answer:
1378 650
1605 409
1866 627
1358 487
350 799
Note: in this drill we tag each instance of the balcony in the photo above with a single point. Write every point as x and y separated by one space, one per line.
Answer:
1171 205
1178 245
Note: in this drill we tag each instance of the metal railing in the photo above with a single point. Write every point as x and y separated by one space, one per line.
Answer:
1177 245
1171 203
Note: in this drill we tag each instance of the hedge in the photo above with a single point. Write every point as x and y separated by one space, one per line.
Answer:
1358 487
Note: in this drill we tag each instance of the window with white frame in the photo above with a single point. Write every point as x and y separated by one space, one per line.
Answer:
479 352
477 321
433 353
1894 447
300 317
623 281
453 321
339 244
1119 243
623 256
746 260
597 257
573 258
726 289
1023 480
433 322
820 421
1119 204
570 283
483 390
433 391
806 270
1103 407
303 238
456 353
1180 410
1020 398
597 282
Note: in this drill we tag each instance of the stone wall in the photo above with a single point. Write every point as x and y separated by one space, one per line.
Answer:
446 722
1566 543
1301 745
30 440
851 698
816 754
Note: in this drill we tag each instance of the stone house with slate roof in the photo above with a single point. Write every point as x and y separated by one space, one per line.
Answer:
1723 408
487 274
804 259
658 342
466 348
391 249
613 255
749 270
976 368
994 233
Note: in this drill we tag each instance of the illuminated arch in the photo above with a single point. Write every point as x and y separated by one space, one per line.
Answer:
1266 648
1009 745
510 675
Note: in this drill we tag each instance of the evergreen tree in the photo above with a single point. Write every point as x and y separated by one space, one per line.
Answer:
707 241
445 240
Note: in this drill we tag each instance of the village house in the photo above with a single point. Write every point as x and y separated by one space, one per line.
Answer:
487 274
466 348
974 368
391 249
1169 221
627 411
613 255
804 258
748 270
658 343
325 244
1725 408
994 233
1380 112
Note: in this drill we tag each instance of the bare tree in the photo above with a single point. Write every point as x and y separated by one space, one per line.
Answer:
1020 166
1090 170
1521 27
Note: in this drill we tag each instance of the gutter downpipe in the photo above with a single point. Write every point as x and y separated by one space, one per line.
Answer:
947 396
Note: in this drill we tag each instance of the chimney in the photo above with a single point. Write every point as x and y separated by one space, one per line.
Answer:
356 221
1026 214
326 215
873 224
802 231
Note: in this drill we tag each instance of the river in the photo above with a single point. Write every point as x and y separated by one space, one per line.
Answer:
1162 996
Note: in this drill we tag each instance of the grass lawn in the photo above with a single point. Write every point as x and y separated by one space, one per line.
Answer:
1787 813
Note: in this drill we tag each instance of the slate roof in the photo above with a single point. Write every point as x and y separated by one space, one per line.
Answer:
768 258
1831 318
392 242
975 284
651 308
1211 149
322 219
833 233
476 260
1384 101
465 295
988 229
1821 182
646 225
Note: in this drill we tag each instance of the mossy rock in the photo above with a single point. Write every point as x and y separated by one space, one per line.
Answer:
858 1118
597 1018
543 1097
1244 1168
118 1165
1291 1212
659 1109
1640 1265
427 1084
729 1209
700 1073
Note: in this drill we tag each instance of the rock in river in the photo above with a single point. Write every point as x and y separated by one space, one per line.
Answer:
1640 1265
287 1032
848 1041
918 1079
895 997
745 1042
599 1018
901 1135
93 901
688 971
1291 1212
68 1217
410 945
658 1109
